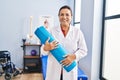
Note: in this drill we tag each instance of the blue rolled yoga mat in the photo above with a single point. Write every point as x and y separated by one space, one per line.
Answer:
59 52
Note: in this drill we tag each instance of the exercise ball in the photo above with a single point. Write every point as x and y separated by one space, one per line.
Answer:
33 52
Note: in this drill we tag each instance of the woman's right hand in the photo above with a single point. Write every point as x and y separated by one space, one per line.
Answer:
50 45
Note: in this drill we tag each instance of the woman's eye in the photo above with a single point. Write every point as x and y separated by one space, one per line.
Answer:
62 15
67 14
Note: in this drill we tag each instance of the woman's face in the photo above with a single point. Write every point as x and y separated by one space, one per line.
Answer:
65 17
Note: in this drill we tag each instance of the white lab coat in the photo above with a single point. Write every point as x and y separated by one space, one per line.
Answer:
74 42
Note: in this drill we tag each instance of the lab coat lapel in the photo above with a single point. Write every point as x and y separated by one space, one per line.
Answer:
61 33
69 32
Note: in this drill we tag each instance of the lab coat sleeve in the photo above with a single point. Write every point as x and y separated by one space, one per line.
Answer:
43 52
82 47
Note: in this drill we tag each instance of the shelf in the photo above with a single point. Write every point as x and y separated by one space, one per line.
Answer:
31 64
27 44
31 57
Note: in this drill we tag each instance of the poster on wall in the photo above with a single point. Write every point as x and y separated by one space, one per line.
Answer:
46 21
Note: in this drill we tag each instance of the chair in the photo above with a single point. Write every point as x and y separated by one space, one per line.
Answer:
81 74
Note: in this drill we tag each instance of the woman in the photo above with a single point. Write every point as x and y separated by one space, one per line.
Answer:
72 40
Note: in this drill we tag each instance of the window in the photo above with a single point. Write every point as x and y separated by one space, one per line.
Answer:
110 66
77 13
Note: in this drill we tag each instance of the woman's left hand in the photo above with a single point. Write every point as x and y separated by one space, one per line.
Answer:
68 59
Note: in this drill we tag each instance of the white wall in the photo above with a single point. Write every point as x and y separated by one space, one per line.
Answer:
14 18
87 28
97 31
91 24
